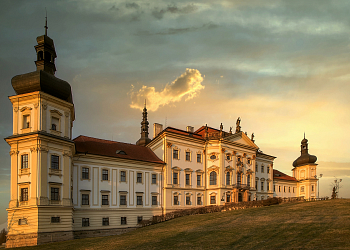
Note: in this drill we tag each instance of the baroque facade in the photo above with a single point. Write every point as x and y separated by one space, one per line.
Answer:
64 188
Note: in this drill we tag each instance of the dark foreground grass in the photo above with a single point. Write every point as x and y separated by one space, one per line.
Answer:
307 225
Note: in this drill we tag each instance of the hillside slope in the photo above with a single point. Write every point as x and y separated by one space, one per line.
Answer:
307 225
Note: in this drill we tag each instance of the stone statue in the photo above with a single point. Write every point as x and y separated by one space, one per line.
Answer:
252 138
230 130
238 123
221 127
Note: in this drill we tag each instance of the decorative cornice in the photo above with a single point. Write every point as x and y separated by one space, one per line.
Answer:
43 149
36 105
15 109
25 108
12 152
168 144
56 112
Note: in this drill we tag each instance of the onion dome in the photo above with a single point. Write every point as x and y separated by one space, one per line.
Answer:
43 79
305 158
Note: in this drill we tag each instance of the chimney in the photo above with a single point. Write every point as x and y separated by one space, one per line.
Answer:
190 129
157 128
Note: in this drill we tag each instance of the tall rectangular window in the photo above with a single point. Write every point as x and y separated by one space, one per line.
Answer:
55 122
123 220
24 194
24 161
139 200
188 180
154 200
289 189
84 199
85 222
139 178
55 160
239 178
262 169
199 158
262 186
105 200
199 200
85 173
55 194
188 200
256 168
176 154
248 180
105 221
176 200
188 156
268 169
122 199
104 174
212 199
199 182
123 176
154 179
267 186
228 177
26 121
175 178
256 185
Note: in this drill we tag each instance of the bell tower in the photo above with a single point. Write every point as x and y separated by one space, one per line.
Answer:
144 140
41 208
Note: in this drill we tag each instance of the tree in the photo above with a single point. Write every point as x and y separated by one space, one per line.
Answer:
3 234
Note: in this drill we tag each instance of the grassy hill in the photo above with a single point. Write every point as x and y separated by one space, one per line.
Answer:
307 225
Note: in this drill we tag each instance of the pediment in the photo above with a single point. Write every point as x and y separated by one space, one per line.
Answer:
241 138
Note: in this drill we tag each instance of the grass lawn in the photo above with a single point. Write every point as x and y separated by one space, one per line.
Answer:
306 225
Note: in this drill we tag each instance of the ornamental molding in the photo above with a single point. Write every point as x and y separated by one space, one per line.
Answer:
55 111
25 108
33 149
44 105
15 109
210 156
223 150
66 114
168 144
43 149
36 105
67 153
213 168
13 152
188 170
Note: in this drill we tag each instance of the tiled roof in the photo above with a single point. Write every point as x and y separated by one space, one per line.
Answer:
89 145
183 132
282 176
211 131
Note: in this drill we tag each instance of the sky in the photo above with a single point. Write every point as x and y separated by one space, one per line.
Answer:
282 66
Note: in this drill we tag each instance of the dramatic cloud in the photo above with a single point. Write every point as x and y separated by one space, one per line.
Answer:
187 85
173 9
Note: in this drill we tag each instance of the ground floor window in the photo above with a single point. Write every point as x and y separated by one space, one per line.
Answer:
85 222
139 219
176 200
188 200
105 221
55 220
213 199
154 200
199 200
123 220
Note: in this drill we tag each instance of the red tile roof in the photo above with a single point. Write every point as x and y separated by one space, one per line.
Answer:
211 131
89 145
282 176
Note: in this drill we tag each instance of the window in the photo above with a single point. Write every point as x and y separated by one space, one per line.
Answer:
249 161
199 181
213 178
289 189
176 154
22 222
85 222
267 186
122 199
154 201
139 200
228 178
284 189
312 187
199 158
239 178
248 180
175 178
228 157
262 186
213 157
256 185
85 173
104 174
105 199
228 198
24 161
262 169
268 169
256 168
26 121
84 199
176 200
105 221
188 200
302 189
139 219
154 179
24 194
293 190
55 160
54 123
199 200
123 220
123 176
279 188
188 179
212 199
55 219
188 156
274 188
55 194
139 178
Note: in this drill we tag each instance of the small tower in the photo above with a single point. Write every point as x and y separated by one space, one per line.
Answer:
144 140
305 172
41 206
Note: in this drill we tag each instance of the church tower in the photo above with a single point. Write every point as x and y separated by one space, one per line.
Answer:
305 172
144 140
40 209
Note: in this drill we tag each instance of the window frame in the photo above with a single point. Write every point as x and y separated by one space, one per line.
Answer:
122 199
83 173
139 200
188 200
85 222
213 178
199 157
24 195
139 177
154 200
176 201
84 195
213 199
105 199
228 178
123 220
154 179
104 173
122 176
105 221
25 162
55 165
176 154
188 155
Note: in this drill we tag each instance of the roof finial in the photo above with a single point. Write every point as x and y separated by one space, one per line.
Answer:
145 103
46 23
304 135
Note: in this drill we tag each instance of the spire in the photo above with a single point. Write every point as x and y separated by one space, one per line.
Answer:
46 23
144 140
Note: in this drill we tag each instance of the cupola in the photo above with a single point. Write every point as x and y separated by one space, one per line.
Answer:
305 158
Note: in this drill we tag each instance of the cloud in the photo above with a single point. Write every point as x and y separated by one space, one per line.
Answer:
173 9
175 31
187 85
132 5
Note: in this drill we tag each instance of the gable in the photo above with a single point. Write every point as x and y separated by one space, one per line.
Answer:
241 138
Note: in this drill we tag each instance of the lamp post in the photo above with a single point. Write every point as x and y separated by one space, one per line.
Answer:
318 184
337 184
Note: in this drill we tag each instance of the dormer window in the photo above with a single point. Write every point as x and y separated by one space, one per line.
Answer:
120 152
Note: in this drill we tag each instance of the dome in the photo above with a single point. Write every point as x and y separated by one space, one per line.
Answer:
304 159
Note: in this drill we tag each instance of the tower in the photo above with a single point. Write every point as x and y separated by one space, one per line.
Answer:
144 140
305 172
40 208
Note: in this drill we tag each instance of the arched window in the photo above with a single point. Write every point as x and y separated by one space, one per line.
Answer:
40 55
47 56
213 178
